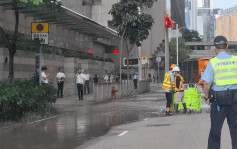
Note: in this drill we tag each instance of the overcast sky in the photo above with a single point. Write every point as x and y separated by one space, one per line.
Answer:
224 3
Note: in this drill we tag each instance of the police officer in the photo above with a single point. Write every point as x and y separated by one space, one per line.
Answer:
168 88
220 89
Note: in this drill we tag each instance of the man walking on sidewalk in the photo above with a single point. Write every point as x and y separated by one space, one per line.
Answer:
87 81
80 83
60 82
220 77
135 78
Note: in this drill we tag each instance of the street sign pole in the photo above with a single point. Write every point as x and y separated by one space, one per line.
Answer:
40 31
158 59
40 66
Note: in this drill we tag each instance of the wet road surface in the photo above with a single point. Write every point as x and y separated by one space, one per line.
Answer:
81 121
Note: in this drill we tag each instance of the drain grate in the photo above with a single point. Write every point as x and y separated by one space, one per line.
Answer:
157 125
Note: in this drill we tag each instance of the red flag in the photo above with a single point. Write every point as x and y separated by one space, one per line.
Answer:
168 22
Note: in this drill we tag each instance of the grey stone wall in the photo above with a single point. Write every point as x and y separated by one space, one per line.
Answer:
24 64
102 91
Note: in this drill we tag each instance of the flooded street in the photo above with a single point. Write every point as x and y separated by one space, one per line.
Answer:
82 121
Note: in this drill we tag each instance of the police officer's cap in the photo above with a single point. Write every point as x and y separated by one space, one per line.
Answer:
220 42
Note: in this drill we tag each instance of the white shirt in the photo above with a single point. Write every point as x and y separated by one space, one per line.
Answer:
86 76
106 78
80 78
60 75
43 75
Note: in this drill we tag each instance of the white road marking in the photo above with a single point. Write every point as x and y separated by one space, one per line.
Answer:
44 119
123 133
146 119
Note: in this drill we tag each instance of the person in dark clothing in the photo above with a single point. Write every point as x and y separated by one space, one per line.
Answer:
135 78
96 79
36 75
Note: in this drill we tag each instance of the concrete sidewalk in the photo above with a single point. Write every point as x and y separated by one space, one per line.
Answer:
174 132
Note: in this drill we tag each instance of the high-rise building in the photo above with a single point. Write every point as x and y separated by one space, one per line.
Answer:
199 16
226 24
191 14
178 12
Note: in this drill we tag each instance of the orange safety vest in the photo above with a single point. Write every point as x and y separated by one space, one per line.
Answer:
182 84
166 82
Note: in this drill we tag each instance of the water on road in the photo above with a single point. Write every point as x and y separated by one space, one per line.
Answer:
82 121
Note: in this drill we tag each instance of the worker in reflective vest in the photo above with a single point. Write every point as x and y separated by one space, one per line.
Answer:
179 83
168 87
220 89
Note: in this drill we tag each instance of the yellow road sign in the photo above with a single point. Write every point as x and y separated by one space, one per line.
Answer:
144 58
39 27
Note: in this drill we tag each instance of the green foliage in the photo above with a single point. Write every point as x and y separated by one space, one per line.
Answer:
17 98
35 2
191 36
183 50
129 22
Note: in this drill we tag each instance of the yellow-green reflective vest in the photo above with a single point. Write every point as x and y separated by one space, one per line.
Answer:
225 70
166 82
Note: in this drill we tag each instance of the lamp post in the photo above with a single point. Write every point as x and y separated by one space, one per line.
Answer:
177 42
139 56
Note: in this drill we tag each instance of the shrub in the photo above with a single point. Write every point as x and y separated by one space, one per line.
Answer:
17 98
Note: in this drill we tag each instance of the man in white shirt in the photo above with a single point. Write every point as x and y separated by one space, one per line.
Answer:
87 77
106 78
44 76
80 80
60 82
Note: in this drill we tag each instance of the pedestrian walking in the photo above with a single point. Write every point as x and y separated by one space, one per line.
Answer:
106 78
179 89
36 75
87 82
96 79
60 82
220 89
157 77
44 76
154 77
111 78
80 83
168 87
135 78
117 78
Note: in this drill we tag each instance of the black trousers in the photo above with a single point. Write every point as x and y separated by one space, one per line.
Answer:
60 88
135 83
87 87
80 90
217 120
169 97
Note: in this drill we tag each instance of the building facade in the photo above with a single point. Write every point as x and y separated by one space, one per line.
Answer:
226 24
200 16
98 10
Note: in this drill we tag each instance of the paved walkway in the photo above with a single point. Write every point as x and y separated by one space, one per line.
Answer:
174 132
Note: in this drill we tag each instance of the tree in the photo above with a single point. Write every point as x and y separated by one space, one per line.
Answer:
183 50
11 40
191 36
132 26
